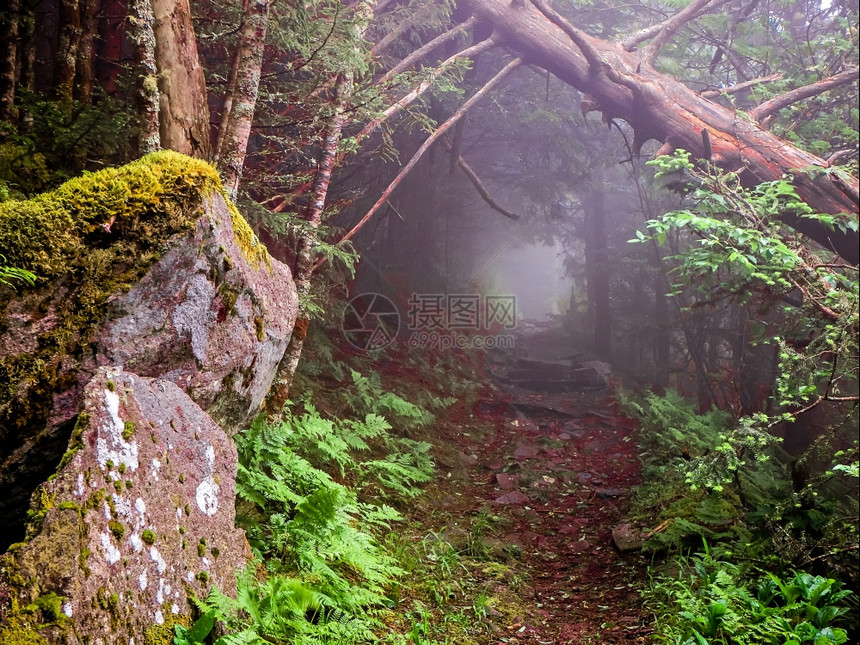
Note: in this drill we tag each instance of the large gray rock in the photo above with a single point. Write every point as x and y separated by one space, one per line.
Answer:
140 516
205 307
207 318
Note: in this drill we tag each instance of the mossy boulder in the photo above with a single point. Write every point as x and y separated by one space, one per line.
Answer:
148 267
131 526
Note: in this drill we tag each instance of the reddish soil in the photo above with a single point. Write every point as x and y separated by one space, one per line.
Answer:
558 468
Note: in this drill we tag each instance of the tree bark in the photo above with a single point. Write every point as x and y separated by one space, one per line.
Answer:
8 58
142 34
626 87
233 138
67 50
597 271
280 390
184 111
84 65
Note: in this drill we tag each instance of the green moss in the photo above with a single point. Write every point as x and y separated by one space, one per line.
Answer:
253 250
20 631
258 326
201 549
118 486
75 444
117 529
181 478
148 536
127 430
105 229
164 634
51 606
121 469
111 386
129 484
68 506
215 551
83 556
203 576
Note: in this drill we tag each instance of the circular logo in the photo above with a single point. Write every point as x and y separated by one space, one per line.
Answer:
371 321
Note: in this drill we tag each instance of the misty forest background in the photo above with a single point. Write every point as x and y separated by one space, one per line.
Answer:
719 281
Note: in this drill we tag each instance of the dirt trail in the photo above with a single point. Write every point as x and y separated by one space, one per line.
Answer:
558 468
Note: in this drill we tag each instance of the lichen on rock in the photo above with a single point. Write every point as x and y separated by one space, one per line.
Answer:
139 570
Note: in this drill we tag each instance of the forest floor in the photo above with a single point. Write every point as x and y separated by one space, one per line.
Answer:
532 482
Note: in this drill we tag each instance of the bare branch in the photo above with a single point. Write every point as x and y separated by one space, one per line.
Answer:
775 104
401 28
422 87
482 190
740 87
665 30
595 61
442 129
426 48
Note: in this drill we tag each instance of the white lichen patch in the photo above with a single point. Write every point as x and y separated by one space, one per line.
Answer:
160 564
153 473
158 618
207 490
143 580
140 506
195 316
67 609
122 506
110 446
79 490
111 552
189 577
106 509
174 608
136 542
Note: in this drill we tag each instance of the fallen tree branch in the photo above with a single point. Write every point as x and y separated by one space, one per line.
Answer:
775 104
675 22
426 48
630 42
442 129
482 190
740 87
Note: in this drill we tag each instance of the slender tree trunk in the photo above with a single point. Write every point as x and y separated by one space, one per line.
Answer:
67 50
597 271
111 27
84 66
184 110
9 21
236 127
304 255
662 333
142 34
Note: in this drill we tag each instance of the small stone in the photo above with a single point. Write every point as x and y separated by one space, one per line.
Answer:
607 493
507 482
580 546
625 538
513 497
524 451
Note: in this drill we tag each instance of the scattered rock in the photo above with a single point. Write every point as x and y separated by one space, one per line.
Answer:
607 493
580 546
507 482
626 538
524 451
513 497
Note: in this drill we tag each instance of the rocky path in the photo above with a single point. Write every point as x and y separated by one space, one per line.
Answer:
558 467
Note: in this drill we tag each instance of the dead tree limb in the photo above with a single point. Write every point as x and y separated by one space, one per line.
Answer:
442 129
740 87
775 104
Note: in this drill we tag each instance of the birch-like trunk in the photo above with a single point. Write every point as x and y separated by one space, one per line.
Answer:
142 34
238 114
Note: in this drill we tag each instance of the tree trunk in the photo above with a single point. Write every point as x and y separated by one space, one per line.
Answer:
9 20
597 271
84 66
236 128
67 50
626 86
184 111
304 254
142 34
